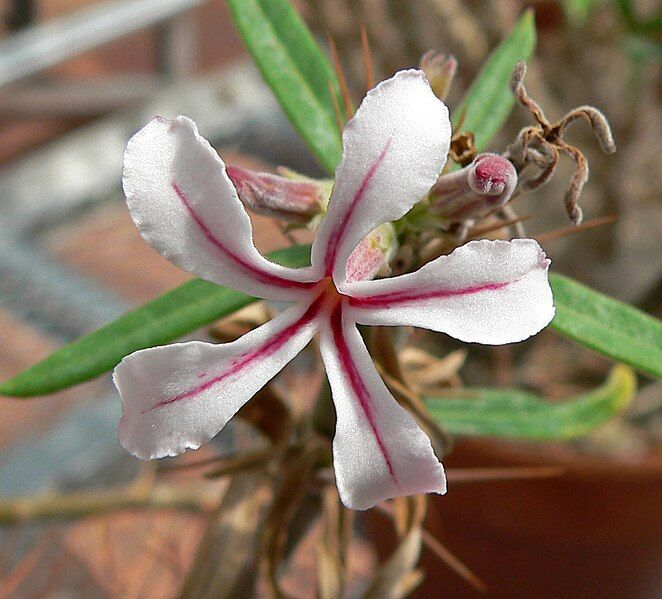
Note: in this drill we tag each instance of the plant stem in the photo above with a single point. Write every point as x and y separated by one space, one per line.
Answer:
91 503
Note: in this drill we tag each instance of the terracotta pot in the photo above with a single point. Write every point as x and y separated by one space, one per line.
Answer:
596 531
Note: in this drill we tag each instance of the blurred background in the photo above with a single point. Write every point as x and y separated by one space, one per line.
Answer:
78 77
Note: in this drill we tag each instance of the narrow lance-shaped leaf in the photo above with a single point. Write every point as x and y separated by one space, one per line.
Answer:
177 312
489 100
295 69
606 325
514 413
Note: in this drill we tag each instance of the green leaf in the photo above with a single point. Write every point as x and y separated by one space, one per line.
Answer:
514 413
184 309
489 100
577 11
606 325
642 49
295 68
635 23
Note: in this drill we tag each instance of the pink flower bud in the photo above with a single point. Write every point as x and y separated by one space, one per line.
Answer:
474 191
440 71
294 200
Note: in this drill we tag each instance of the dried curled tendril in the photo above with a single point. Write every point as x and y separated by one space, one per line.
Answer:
540 145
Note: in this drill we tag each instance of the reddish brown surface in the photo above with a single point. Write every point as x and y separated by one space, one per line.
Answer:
594 532
130 554
22 419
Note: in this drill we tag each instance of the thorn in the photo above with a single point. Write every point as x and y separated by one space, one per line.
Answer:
336 107
589 224
342 82
367 59
475 475
476 233
445 555
440 551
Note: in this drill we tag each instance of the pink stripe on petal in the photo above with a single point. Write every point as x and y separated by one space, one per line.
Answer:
357 384
250 269
397 298
336 237
241 362
490 292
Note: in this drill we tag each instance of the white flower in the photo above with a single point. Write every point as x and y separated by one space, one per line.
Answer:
179 396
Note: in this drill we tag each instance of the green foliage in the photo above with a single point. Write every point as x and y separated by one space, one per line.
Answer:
606 325
641 49
295 69
177 312
299 75
489 101
634 23
577 11
514 413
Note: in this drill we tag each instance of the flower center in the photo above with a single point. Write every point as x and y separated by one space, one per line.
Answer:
330 294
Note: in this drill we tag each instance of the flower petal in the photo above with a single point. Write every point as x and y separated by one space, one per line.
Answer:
186 207
393 150
179 396
490 292
379 451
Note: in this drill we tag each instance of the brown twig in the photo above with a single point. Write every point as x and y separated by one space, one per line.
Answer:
223 461
243 463
91 503
477 233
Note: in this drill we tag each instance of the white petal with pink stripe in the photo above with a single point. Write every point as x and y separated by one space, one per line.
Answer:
179 396
393 151
186 207
379 450
489 292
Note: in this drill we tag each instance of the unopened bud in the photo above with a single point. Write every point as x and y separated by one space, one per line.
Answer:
440 71
474 191
294 200
372 256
